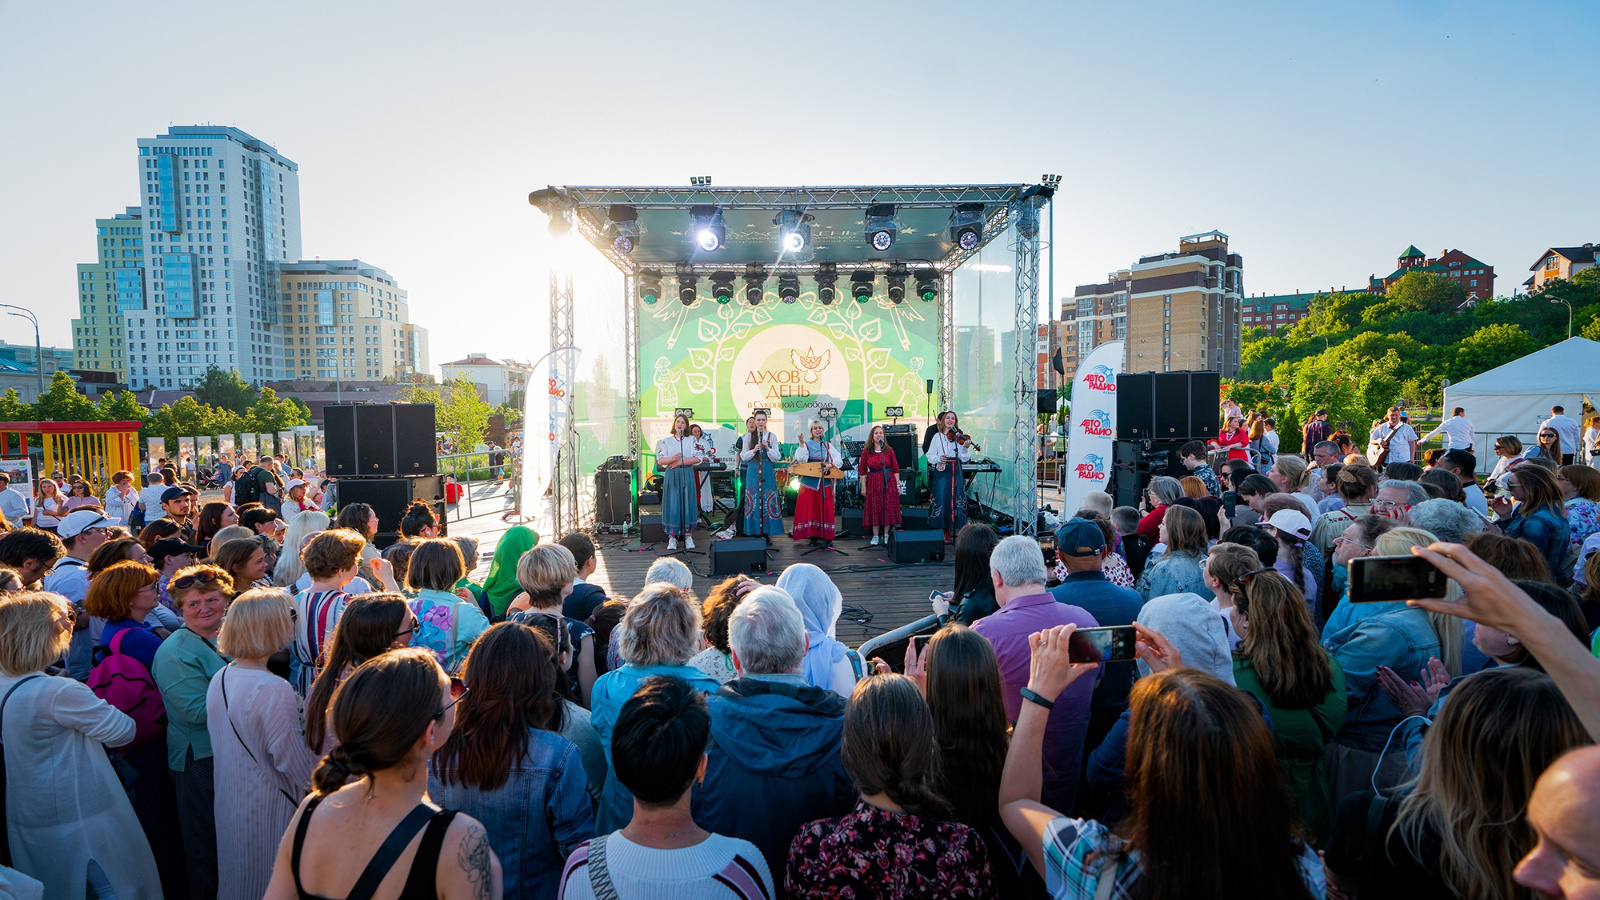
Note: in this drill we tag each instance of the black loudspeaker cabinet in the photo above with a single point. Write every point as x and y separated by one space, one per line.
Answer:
380 439
652 530
850 523
389 498
1172 406
913 517
1136 410
1046 400
339 430
415 450
914 546
375 440
736 556
1205 397
612 489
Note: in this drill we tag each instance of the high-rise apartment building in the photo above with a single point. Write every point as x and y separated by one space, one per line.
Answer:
221 214
347 320
1184 308
106 286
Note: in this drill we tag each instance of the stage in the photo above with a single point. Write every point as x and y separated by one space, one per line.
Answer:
892 594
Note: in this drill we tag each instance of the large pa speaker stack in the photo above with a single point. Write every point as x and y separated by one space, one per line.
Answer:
389 498
1167 406
384 455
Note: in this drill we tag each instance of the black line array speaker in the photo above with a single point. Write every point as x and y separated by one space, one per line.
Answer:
380 439
736 556
389 498
652 530
1172 406
916 545
613 489
1205 399
1136 406
1168 406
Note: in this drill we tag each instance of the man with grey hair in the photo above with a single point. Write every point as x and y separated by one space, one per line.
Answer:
1016 568
1446 520
672 571
1099 501
773 763
1395 499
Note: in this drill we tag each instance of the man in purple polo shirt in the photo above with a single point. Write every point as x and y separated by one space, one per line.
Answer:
1017 569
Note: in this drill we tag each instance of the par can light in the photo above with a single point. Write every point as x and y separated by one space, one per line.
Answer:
861 285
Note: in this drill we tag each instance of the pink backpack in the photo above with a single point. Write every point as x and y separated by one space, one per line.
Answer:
125 683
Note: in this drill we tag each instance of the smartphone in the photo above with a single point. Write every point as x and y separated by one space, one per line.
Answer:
920 642
1047 545
1115 643
1230 500
1383 579
935 595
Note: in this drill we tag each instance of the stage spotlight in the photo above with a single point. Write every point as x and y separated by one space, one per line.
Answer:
794 231
827 275
788 287
897 283
966 226
755 283
928 285
881 226
706 224
861 285
686 289
623 228
722 286
650 287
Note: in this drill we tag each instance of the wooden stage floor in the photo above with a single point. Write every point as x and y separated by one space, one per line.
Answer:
887 595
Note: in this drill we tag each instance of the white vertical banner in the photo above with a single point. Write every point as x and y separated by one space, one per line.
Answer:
544 425
1092 429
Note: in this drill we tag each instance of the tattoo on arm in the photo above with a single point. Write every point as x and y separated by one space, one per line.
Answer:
476 861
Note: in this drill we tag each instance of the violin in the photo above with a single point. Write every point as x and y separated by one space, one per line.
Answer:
964 439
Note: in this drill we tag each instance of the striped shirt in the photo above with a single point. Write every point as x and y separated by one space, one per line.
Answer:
717 868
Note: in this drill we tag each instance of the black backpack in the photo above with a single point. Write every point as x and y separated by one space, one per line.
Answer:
247 489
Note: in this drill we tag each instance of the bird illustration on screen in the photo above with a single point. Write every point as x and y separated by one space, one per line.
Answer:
811 362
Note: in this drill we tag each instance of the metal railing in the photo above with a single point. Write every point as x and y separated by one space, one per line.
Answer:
486 490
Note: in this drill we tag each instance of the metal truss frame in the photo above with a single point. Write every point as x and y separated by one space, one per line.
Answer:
909 197
1022 444
564 489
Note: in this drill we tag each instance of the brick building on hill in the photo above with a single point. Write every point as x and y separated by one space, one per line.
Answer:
1476 278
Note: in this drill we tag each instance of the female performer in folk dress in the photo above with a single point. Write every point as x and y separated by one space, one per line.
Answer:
763 506
707 451
677 457
813 509
947 450
880 478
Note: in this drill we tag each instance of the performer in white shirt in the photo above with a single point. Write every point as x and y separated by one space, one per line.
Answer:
1398 437
1457 431
763 505
813 509
707 451
677 457
946 450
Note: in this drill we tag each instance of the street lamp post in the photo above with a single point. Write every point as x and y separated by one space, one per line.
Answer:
38 351
1555 299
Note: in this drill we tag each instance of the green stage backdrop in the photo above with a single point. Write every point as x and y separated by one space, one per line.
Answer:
724 360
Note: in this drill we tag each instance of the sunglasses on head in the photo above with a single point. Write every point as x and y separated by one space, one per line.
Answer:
196 578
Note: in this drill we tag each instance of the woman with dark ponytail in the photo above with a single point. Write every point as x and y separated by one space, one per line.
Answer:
898 842
370 796
372 624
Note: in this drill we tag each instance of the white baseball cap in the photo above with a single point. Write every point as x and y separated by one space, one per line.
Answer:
1292 522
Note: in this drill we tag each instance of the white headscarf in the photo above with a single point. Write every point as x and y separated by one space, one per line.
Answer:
1189 622
820 604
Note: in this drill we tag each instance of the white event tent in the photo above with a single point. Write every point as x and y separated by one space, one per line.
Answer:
1516 397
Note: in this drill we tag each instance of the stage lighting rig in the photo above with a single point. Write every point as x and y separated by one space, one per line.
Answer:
1051 181
755 283
897 283
861 285
928 285
722 286
700 180
686 288
554 202
966 226
794 231
650 287
623 228
789 287
827 276
881 227
710 234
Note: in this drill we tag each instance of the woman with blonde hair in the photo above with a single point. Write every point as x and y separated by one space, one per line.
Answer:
1292 475
68 819
1458 829
1299 684
659 633
1356 486
261 762
546 573
302 528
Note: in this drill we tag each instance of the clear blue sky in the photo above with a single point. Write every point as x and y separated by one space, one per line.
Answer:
1323 138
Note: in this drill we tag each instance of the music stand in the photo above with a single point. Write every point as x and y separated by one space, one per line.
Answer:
829 415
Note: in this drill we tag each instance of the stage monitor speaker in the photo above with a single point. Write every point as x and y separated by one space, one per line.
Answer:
914 546
1205 397
651 530
1136 410
738 556
904 446
913 517
850 523
389 498
415 447
1126 481
1046 402
1172 406
375 440
339 429
612 488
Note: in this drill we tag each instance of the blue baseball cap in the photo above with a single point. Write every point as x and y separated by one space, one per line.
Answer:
1080 537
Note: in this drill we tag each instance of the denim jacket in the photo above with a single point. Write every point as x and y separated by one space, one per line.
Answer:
1173 573
1547 531
1402 639
535 819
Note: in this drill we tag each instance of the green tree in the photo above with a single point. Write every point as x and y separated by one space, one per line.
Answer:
12 409
61 402
269 413
225 389
1490 346
1425 292
187 417
464 415
119 406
